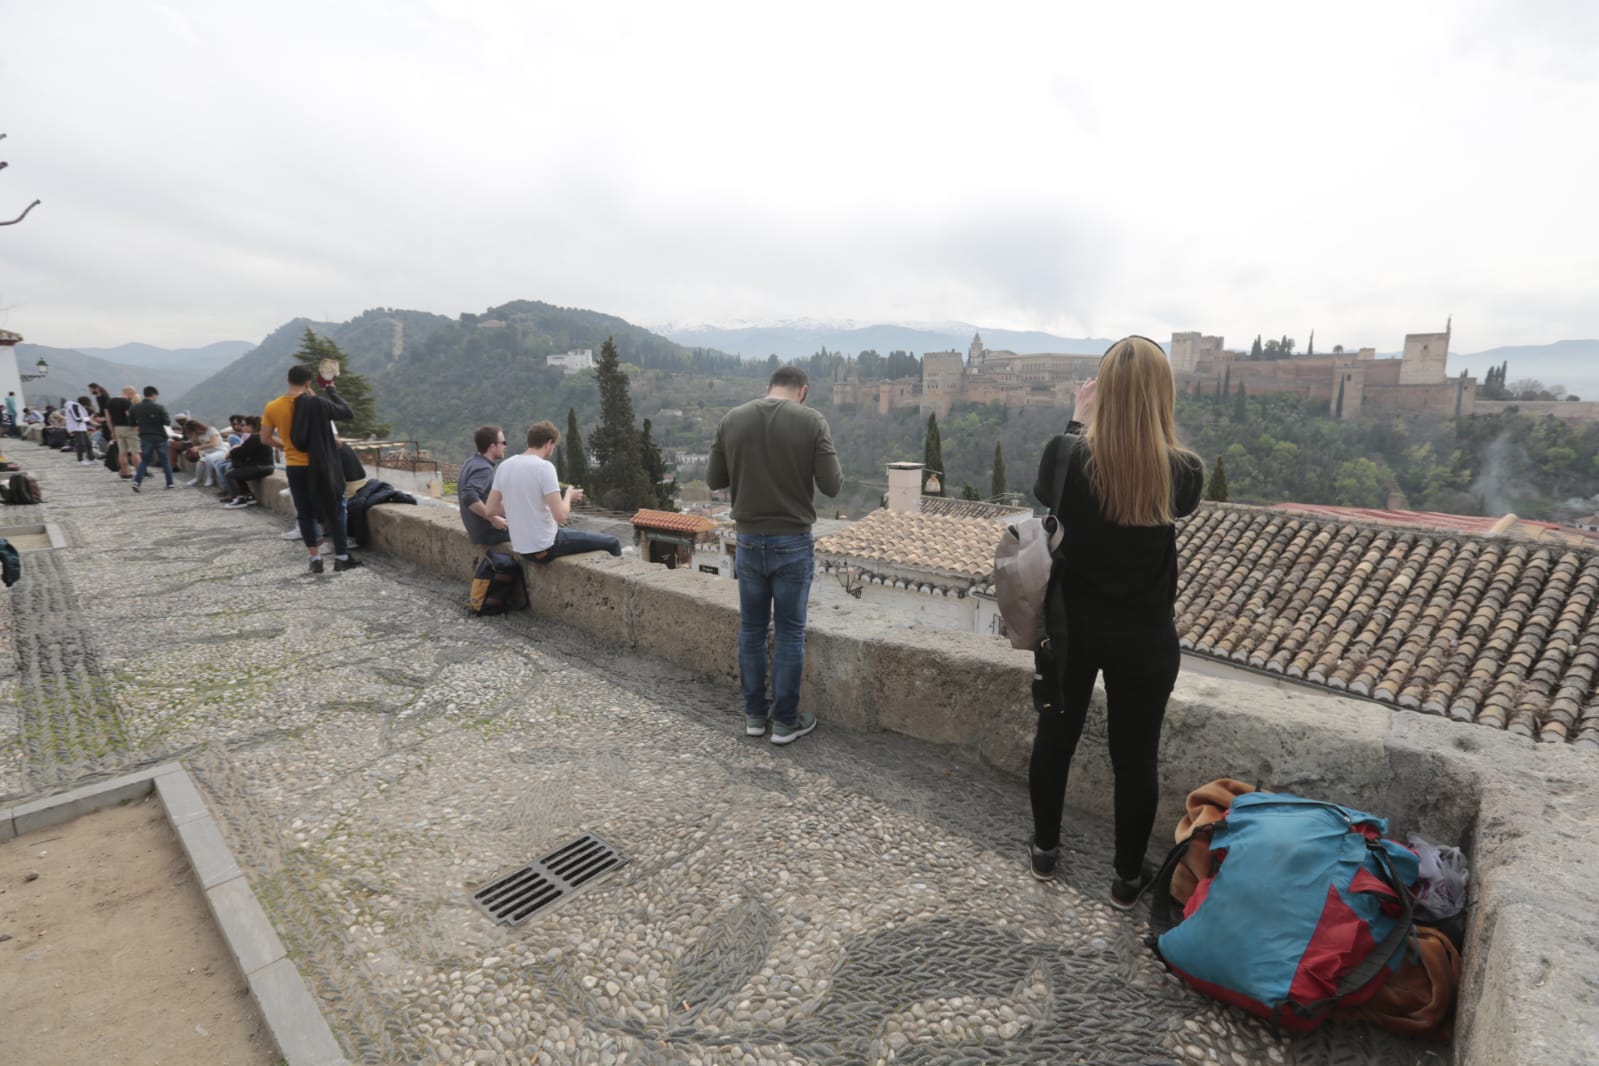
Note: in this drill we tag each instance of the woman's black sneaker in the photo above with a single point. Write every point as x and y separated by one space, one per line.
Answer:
1044 861
1123 894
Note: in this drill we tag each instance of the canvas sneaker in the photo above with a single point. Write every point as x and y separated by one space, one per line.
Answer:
1123 894
788 734
292 533
346 564
316 565
754 727
1044 860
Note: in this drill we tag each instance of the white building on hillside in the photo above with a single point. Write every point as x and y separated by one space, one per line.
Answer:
573 361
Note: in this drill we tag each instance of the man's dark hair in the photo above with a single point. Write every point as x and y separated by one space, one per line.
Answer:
542 433
788 377
485 438
253 421
151 392
299 375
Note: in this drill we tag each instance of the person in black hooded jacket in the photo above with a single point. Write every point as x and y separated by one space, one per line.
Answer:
312 432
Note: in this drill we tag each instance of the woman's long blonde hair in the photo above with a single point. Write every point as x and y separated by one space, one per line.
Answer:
1133 434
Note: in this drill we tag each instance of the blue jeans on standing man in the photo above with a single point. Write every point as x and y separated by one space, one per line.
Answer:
774 585
157 449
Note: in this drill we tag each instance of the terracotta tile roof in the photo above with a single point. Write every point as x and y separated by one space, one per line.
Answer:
959 551
1485 629
1503 525
993 512
671 521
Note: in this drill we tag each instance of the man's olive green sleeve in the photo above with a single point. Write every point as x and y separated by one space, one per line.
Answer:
829 475
716 475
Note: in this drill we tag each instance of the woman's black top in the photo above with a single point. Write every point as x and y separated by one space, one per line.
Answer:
1109 566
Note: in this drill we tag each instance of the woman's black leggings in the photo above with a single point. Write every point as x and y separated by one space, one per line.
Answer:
1139 656
81 445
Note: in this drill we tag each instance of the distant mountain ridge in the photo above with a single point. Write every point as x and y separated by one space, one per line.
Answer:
798 339
72 369
203 361
1572 363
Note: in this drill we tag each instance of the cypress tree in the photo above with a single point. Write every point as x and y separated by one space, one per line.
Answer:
1254 349
577 460
1240 410
621 482
996 482
1216 489
655 469
355 389
933 456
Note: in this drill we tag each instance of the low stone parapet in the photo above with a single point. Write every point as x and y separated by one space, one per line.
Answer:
1528 815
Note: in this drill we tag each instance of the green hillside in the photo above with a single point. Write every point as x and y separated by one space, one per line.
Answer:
436 378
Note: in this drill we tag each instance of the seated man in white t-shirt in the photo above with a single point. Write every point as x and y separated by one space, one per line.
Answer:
528 495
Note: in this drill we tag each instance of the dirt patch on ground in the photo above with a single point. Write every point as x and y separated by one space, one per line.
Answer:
112 956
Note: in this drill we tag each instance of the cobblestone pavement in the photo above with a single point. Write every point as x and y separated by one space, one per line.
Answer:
374 755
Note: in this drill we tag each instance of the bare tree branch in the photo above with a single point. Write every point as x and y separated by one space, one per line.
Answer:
24 214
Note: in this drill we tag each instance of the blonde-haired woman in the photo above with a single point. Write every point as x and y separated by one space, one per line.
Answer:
1118 480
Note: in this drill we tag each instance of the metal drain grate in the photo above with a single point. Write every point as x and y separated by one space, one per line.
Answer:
514 897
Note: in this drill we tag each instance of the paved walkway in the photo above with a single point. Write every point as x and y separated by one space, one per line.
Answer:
374 755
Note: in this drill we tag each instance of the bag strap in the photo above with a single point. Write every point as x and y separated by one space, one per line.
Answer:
1380 956
1163 912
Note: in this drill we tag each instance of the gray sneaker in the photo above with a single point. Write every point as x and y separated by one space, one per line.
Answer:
754 727
787 734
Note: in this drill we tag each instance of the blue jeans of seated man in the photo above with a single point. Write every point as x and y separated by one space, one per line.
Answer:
576 542
774 585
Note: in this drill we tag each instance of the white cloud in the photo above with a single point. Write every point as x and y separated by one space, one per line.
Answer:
210 170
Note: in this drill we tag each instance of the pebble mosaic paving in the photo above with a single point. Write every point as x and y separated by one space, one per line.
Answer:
374 755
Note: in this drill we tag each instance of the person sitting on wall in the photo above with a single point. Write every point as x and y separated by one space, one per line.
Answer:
249 460
528 495
473 485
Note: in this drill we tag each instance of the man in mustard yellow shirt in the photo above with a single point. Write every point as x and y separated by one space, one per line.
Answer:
277 421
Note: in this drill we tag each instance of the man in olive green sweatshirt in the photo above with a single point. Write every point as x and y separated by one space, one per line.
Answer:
775 454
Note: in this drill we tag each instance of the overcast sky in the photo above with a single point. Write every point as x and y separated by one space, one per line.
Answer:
211 169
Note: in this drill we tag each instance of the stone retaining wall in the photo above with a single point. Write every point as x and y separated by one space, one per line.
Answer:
1527 814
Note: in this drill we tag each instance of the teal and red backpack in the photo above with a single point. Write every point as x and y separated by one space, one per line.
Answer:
1309 907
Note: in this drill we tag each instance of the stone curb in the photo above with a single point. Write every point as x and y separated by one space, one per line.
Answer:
1526 814
298 1028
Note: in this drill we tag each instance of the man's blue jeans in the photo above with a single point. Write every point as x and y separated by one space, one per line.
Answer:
774 584
576 542
149 449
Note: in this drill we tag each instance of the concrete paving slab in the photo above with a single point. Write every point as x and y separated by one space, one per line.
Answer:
208 853
180 798
302 1034
64 807
250 935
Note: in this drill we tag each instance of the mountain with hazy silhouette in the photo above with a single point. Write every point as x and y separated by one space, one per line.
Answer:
202 362
71 370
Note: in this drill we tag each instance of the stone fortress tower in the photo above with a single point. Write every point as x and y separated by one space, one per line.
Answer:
1353 384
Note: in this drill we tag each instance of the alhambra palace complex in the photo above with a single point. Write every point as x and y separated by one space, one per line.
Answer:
1353 384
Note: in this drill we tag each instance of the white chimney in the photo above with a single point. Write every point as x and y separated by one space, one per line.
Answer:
905 487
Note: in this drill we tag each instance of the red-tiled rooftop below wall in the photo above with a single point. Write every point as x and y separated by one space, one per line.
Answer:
1486 629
